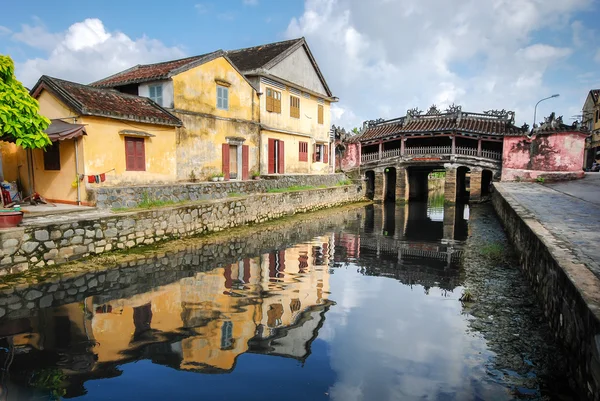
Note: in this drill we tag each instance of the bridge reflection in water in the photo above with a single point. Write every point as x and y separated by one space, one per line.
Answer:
199 311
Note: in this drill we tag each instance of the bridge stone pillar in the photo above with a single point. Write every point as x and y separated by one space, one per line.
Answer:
402 188
450 185
379 194
449 221
475 186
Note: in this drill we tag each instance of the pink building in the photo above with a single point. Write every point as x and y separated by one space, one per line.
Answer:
553 151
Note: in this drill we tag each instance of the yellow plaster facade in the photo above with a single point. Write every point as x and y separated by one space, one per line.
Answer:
205 126
102 150
292 130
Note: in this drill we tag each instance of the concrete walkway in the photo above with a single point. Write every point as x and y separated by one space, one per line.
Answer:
569 210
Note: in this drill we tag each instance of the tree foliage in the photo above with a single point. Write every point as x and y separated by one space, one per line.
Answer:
20 121
355 131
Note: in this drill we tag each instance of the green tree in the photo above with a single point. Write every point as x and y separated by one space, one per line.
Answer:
356 131
19 112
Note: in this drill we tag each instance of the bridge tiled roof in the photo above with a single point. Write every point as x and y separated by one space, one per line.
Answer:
459 122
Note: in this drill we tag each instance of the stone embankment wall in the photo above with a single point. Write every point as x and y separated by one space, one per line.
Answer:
119 197
49 244
568 291
141 273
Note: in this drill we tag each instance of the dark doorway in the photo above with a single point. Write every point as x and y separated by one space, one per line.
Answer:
390 184
486 182
463 183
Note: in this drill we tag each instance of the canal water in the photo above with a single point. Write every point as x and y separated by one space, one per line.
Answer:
357 304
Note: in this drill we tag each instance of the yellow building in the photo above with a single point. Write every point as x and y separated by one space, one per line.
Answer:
294 106
218 106
104 136
591 120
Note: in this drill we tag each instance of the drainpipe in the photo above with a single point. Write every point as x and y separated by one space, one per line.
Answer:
30 172
77 171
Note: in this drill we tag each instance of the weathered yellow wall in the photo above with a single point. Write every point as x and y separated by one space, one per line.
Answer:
56 185
196 90
205 128
308 121
199 146
291 147
104 150
10 161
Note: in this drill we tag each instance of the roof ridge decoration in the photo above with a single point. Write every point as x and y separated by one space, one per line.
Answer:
453 109
433 111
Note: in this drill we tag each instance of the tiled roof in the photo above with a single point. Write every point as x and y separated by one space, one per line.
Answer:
448 122
252 58
147 72
87 100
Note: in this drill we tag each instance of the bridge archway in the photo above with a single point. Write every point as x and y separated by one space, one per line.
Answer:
463 183
390 184
418 181
370 181
487 177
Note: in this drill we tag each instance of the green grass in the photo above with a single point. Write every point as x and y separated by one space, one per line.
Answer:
341 183
493 251
290 189
147 203
235 194
541 180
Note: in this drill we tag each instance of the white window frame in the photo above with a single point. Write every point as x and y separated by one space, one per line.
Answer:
222 97
156 97
321 157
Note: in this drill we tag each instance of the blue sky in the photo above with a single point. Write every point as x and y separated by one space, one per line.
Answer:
380 57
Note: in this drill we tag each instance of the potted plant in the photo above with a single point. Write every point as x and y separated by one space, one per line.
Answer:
214 177
221 176
11 217
255 175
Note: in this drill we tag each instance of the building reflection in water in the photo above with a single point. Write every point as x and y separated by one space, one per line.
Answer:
271 304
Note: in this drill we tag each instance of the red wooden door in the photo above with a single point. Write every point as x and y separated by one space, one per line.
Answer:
271 156
325 154
280 158
225 158
245 162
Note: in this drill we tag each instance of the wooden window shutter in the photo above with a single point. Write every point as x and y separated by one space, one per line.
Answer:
269 102
294 106
129 154
245 150
277 102
271 156
225 157
320 113
140 155
281 158
325 154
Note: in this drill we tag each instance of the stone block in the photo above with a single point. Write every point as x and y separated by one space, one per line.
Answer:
50 245
10 243
78 239
46 301
41 235
68 234
29 247
32 294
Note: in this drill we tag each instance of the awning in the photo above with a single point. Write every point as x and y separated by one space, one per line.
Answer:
60 130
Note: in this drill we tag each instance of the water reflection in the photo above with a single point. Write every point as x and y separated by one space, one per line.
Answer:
318 318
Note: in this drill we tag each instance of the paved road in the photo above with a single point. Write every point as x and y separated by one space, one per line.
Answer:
570 210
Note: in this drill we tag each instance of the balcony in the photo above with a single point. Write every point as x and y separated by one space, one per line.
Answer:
431 150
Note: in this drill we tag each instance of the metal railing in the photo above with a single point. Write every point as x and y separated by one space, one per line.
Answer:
431 150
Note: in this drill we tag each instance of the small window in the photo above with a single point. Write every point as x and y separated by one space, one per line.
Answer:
319 153
222 97
320 113
135 154
52 157
597 115
294 107
273 101
303 151
156 94
227 335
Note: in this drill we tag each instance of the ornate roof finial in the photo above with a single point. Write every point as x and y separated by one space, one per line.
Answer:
433 111
414 112
453 108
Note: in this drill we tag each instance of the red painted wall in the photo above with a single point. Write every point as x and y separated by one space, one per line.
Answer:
351 157
548 155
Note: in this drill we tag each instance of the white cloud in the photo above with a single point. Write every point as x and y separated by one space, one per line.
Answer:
4 30
201 8
383 57
86 52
